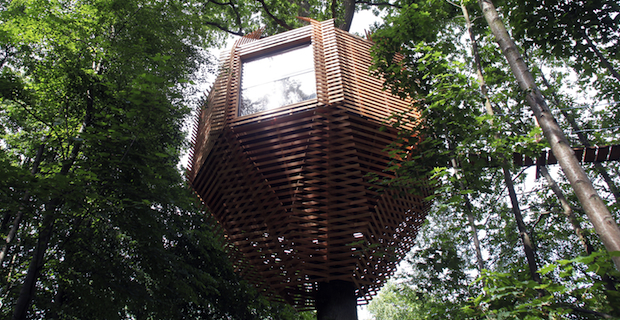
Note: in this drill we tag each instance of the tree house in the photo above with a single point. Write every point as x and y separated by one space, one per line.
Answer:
282 152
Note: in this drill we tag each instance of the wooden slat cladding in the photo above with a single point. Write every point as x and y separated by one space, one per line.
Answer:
291 187
363 93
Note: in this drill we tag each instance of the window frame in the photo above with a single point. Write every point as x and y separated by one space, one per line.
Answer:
266 51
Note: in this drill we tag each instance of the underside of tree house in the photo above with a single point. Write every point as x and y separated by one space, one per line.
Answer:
282 157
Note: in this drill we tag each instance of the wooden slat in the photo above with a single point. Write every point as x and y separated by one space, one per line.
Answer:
290 187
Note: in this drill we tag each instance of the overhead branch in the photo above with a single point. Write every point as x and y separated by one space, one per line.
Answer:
600 55
31 113
237 17
371 3
276 19
5 57
223 28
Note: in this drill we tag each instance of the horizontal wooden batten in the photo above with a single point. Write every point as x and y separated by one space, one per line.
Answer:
291 187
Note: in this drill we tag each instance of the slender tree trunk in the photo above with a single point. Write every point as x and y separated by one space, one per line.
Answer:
528 246
13 231
595 208
20 213
470 218
567 210
600 55
5 221
570 215
9 285
28 289
476 54
586 143
474 233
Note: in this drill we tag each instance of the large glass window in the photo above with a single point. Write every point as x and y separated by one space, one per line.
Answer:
276 80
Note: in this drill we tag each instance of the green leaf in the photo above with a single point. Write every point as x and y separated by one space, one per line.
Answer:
546 269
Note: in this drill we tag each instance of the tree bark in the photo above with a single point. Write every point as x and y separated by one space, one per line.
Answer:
591 202
613 188
349 11
470 219
28 289
567 210
20 213
528 246
600 55
29 286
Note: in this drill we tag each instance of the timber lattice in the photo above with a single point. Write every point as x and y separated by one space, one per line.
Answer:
290 187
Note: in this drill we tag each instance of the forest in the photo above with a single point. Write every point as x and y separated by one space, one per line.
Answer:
98 221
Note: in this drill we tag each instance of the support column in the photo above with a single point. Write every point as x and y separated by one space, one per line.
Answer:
335 300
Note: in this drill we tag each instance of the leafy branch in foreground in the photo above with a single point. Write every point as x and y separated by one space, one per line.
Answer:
575 288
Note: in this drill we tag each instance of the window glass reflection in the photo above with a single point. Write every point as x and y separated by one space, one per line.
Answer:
277 80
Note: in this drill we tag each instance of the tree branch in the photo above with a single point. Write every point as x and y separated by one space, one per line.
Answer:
276 19
370 3
217 25
25 107
6 56
585 311
598 54
237 18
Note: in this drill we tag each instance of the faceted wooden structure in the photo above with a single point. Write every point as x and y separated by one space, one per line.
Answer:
290 186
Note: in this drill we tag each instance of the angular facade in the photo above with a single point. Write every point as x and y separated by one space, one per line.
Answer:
282 154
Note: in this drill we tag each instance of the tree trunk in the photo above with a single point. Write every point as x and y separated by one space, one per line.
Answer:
349 11
476 54
595 208
567 210
336 300
11 235
29 286
528 246
570 215
600 55
470 219
474 233
20 213
586 143
28 289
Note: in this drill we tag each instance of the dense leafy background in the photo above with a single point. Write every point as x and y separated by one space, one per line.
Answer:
443 278
93 96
